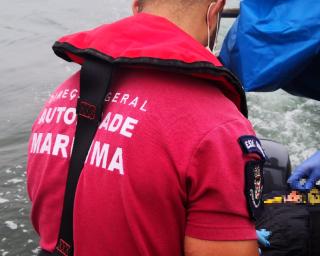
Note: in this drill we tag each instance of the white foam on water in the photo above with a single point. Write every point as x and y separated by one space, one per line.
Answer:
287 119
15 181
4 253
10 224
3 200
36 250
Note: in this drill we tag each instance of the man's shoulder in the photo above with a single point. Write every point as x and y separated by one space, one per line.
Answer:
174 96
190 107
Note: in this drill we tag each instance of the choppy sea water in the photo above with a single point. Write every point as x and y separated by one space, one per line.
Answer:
30 71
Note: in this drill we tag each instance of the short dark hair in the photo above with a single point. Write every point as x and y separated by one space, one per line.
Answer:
141 3
185 2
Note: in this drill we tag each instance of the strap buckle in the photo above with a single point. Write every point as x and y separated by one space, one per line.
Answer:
86 110
64 248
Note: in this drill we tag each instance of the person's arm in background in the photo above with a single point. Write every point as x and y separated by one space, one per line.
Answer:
197 247
310 170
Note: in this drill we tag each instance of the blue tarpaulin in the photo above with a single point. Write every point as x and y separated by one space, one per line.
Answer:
276 44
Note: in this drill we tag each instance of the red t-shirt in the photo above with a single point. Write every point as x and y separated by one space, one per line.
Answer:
165 163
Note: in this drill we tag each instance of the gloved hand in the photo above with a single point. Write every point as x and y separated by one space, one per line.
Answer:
263 237
309 169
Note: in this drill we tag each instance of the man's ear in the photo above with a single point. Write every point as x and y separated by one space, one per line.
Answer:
135 7
214 11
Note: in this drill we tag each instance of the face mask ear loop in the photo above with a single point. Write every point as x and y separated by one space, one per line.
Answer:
217 32
208 26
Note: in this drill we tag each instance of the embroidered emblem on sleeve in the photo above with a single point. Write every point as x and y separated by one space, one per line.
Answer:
254 188
251 144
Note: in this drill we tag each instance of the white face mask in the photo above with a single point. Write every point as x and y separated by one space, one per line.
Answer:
210 48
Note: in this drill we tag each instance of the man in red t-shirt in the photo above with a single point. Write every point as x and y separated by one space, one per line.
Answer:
174 168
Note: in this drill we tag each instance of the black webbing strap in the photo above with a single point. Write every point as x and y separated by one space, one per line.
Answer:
95 78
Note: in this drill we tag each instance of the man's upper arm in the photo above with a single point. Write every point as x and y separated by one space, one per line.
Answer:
197 247
217 213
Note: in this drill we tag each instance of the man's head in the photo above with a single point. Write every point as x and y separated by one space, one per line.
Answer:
192 16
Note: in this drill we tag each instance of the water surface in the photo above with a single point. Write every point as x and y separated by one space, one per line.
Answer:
30 71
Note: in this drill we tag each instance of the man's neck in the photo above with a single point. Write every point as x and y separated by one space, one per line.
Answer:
189 23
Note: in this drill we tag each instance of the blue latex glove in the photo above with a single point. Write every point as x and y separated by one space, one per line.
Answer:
263 237
309 169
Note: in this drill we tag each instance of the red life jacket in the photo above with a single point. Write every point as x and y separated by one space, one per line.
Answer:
151 41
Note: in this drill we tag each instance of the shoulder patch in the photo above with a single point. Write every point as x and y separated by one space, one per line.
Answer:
254 188
251 144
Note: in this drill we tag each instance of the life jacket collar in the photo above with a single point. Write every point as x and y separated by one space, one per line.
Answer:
151 41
